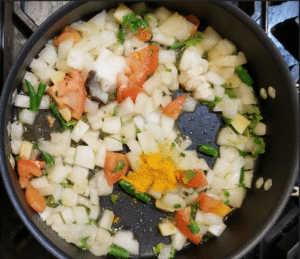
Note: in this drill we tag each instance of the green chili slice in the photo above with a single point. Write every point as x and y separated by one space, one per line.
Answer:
118 252
33 97
129 188
208 150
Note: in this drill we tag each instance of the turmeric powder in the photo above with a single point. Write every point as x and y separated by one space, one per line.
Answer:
156 171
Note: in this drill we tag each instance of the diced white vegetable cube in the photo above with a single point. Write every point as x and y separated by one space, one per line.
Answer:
80 215
68 215
69 197
79 130
27 117
178 240
134 146
39 182
217 230
124 239
58 173
92 139
147 142
128 131
126 107
100 156
107 219
111 125
103 188
85 157
113 143
16 146
260 129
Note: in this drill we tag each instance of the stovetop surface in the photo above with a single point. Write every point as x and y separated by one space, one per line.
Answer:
280 20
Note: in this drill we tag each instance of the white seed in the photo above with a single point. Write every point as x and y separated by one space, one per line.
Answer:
263 93
268 184
259 182
271 92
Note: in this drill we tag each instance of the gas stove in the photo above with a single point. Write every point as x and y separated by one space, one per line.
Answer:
279 19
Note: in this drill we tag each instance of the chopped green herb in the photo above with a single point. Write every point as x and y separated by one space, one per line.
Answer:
115 113
148 76
213 103
191 41
114 198
151 18
117 139
67 185
121 35
188 175
84 244
158 248
194 227
227 194
56 93
50 201
119 166
194 206
71 124
133 22
17 158
230 93
172 253
241 182
260 149
182 154
227 120
91 221
137 130
60 202
168 69
173 145
48 158
255 118
177 206
243 153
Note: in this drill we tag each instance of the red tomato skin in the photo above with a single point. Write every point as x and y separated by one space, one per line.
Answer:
182 220
173 109
212 205
199 179
70 92
111 160
35 200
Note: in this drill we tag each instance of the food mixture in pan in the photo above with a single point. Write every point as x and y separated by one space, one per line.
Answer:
110 91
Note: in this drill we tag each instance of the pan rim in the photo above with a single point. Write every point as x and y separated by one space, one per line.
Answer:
233 10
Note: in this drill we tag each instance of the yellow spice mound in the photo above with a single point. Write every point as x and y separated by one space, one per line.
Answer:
155 171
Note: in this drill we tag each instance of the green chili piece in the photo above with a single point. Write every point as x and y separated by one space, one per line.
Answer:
129 188
244 75
118 252
58 115
48 158
114 198
33 97
208 150
40 94
157 249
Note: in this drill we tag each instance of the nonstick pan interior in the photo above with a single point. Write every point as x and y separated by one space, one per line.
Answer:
280 162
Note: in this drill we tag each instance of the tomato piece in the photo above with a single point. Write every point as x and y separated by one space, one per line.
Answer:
142 64
174 108
182 221
67 34
70 92
199 180
194 20
28 168
144 34
212 205
116 165
35 200
130 91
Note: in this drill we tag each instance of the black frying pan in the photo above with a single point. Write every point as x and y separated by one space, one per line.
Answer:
260 209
